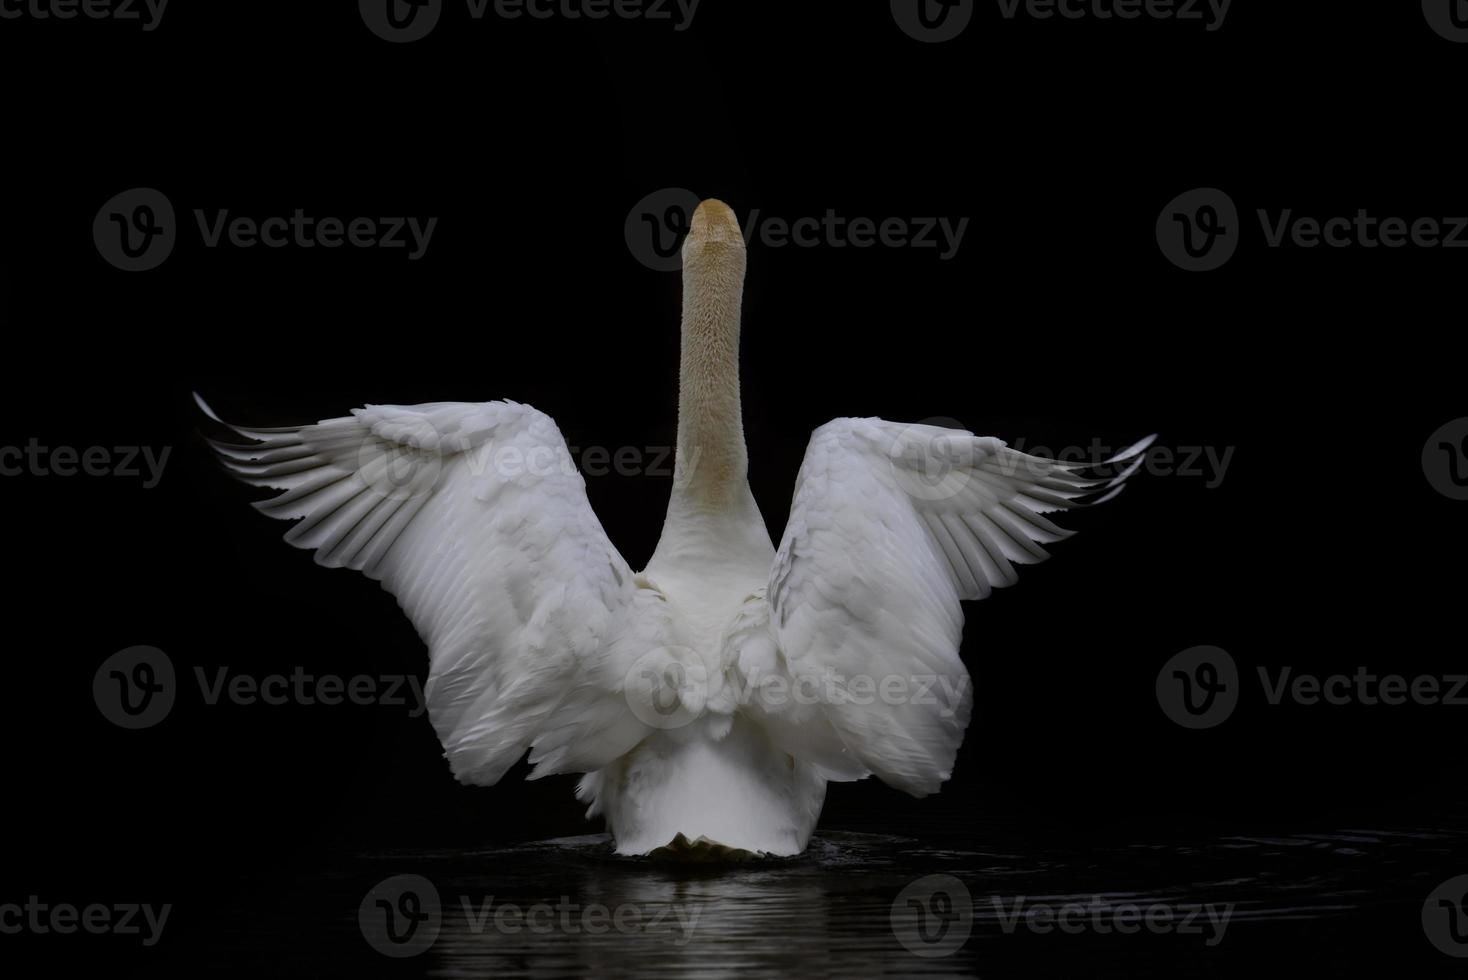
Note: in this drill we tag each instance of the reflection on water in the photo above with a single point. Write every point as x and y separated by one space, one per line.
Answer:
570 907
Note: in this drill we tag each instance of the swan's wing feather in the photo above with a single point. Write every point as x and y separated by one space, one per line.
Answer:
791 718
891 526
476 519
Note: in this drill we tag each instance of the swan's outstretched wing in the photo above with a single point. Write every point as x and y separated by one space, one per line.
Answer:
475 518
890 527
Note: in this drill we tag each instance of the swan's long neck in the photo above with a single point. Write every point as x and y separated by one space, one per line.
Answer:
715 549
711 462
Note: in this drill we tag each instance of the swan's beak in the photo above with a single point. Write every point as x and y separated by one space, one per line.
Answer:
713 224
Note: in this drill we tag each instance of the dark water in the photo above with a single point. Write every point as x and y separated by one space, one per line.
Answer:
1344 901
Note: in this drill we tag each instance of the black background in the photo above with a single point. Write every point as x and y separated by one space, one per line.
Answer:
1058 321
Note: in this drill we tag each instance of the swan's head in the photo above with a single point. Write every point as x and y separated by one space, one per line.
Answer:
713 272
714 237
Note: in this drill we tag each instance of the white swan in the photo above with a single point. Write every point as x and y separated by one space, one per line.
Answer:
710 697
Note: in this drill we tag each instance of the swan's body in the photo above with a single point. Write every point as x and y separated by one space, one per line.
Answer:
710 697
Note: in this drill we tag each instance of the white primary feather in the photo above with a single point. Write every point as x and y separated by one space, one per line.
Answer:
711 697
